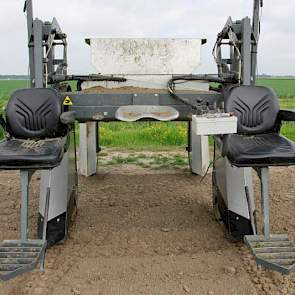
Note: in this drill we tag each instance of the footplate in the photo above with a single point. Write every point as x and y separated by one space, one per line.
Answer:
276 253
17 257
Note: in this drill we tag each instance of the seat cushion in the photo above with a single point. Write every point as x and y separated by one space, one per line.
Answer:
259 150
31 154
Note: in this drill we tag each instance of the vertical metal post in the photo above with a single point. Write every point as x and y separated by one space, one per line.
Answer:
38 53
255 29
265 201
29 11
24 177
87 148
200 158
234 66
65 56
246 51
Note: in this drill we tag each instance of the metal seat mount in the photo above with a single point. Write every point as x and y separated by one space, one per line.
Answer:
20 256
275 252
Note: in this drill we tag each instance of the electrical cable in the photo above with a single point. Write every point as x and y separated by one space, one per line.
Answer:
209 166
186 78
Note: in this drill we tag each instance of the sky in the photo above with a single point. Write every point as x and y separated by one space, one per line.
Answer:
148 18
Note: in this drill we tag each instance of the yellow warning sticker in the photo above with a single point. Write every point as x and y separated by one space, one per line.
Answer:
67 101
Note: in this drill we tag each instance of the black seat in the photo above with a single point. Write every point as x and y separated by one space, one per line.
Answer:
33 121
260 150
41 154
258 142
38 135
257 145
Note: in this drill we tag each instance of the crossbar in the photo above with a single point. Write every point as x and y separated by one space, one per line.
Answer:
103 106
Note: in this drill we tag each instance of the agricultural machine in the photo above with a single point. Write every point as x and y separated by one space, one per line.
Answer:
143 79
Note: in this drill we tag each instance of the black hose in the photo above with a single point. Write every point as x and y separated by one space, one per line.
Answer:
95 78
81 78
201 77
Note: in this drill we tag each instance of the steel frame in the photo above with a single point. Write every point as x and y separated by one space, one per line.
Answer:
241 36
46 69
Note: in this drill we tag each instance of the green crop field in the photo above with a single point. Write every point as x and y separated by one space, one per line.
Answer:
284 87
159 135
8 86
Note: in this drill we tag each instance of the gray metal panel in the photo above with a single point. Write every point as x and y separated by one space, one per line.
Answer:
146 99
232 181
63 181
59 189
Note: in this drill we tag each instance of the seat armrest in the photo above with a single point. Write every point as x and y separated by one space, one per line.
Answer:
68 118
286 115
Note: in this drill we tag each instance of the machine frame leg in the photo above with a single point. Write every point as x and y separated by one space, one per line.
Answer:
199 157
87 148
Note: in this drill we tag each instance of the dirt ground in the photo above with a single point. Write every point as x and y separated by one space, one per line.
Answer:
147 231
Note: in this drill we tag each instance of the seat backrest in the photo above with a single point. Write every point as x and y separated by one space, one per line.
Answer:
256 107
35 114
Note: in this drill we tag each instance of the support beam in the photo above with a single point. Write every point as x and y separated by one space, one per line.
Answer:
103 106
199 154
87 149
